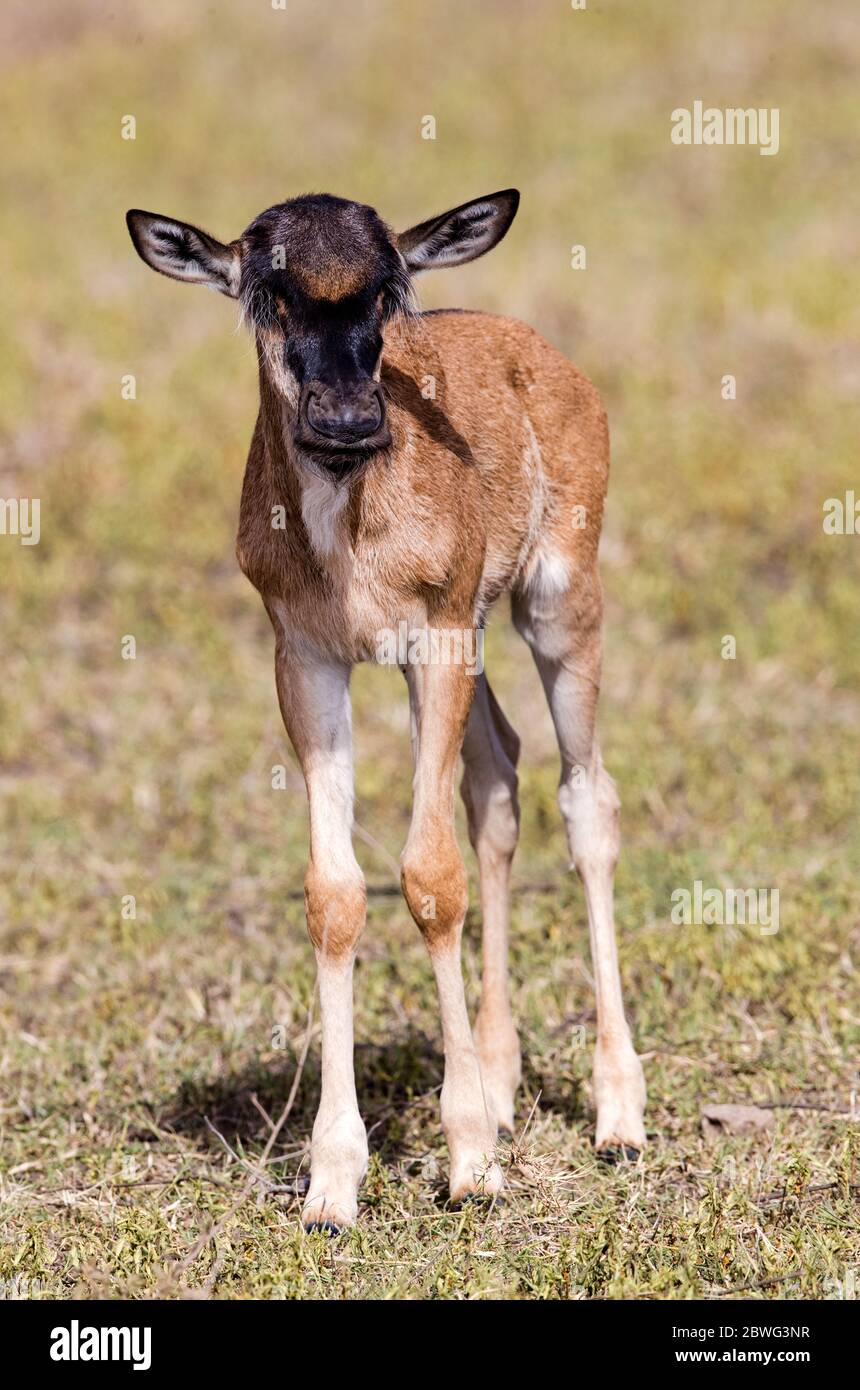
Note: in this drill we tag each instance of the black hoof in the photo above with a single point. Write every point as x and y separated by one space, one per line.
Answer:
328 1227
617 1153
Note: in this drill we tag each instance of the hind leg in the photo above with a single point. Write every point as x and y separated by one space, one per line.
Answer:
566 643
489 789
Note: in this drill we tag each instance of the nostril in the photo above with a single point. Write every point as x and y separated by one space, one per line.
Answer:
368 415
318 412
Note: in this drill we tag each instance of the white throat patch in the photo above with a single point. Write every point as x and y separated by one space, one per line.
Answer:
323 502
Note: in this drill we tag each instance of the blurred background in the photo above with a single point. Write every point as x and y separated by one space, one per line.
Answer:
140 1052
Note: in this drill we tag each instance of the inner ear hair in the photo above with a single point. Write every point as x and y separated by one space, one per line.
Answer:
184 252
461 234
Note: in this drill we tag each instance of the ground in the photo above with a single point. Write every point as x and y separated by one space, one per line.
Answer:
144 1058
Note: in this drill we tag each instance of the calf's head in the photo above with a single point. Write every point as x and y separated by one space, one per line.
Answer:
318 277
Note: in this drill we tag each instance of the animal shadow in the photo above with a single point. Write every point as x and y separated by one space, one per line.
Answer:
396 1081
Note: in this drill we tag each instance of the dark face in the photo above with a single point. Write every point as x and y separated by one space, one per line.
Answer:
320 275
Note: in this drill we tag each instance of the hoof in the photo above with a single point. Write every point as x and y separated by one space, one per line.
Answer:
618 1153
328 1227
332 1217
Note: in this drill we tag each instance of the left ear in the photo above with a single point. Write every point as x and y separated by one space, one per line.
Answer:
461 234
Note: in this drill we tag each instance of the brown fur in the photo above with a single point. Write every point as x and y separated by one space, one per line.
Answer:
331 281
448 519
335 913
443 524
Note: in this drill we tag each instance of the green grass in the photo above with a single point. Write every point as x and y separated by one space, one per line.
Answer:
127 1043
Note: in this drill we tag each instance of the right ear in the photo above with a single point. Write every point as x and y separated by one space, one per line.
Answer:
184 252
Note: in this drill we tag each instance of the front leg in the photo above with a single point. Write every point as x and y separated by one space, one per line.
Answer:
314 698
434 884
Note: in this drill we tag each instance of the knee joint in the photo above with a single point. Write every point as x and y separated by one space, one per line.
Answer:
590 806
434 886
493 815
336 911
